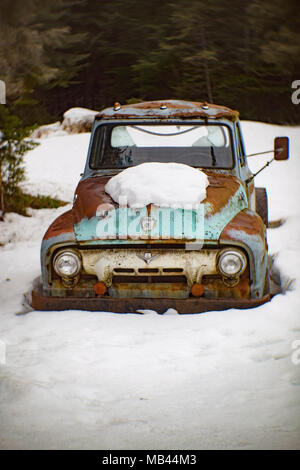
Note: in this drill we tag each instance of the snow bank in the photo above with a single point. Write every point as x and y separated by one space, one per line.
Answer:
77 120
163 184
53 168
48 130
17 228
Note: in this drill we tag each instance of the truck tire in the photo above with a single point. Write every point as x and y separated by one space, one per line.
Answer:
262 204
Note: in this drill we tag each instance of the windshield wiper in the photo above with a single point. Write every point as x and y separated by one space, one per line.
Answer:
164 135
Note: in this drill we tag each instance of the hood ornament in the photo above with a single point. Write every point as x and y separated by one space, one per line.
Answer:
147 257
148 223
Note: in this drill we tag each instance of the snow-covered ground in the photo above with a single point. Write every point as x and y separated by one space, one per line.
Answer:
79 380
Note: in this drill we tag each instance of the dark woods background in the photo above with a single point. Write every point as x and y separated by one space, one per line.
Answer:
57 54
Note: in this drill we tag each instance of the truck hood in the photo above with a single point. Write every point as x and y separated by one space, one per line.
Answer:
99 219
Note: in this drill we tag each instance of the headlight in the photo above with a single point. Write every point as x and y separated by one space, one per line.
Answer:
67 264
232 263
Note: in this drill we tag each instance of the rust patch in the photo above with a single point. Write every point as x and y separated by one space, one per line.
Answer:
247 222
107 304
169 109
251 188
63 224
156 105
250 194
214 287
221 188
84 287
90 194
153 290
130 305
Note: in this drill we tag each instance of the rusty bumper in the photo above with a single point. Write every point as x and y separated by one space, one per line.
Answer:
124 305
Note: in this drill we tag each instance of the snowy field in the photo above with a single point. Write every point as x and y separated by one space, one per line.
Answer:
80 380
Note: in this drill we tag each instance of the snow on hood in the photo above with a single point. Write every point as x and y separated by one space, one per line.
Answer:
163 184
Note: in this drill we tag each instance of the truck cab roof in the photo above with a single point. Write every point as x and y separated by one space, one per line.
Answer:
169 109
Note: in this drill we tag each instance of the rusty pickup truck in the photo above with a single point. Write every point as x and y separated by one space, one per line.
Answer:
93 259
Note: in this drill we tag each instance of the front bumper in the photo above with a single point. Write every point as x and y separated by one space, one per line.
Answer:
39 301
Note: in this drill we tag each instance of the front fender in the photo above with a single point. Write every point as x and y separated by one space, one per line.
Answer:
60 232
248 231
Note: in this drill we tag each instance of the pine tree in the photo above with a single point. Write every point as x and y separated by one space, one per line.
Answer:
13 145
23 47
66 53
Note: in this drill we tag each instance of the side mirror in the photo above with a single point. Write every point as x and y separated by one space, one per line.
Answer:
281 148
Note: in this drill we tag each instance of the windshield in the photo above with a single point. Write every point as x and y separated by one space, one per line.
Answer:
122 146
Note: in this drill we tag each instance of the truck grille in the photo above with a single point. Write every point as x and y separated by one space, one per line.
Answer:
171 273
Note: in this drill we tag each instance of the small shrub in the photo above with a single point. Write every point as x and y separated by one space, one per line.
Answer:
13 145
19 202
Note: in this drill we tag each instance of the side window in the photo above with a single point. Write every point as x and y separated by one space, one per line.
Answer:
97 146
240 145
